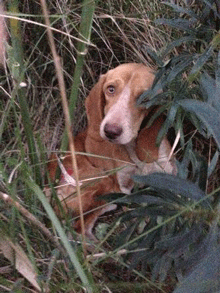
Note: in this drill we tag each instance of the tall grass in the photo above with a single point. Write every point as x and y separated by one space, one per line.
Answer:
17 69
18 74
81 50
32 125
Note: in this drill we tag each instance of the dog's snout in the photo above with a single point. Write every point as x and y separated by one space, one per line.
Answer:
112 131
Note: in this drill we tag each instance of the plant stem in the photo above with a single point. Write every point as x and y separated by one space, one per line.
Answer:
17 71
84 34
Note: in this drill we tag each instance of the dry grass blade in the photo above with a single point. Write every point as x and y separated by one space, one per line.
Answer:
19 89
2 35
6 198
81 271
84 33
66 113
15 254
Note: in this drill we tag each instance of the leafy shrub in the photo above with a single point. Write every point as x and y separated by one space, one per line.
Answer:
173 223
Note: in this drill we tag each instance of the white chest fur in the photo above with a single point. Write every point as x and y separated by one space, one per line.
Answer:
164 163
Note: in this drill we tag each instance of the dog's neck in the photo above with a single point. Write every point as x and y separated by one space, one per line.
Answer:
130 147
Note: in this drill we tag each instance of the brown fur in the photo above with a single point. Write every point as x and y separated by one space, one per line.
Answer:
129 80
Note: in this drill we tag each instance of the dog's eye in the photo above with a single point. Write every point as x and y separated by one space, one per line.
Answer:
111 89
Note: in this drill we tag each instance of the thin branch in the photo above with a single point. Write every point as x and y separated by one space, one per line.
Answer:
10 16
7 199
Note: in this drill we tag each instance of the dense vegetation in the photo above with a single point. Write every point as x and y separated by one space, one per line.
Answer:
163 238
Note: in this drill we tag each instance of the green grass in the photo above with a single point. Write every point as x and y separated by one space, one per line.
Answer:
32 126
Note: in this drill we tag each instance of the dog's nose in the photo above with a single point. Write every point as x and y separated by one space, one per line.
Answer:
112 131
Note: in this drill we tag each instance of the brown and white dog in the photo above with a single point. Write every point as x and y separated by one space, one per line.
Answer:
115 145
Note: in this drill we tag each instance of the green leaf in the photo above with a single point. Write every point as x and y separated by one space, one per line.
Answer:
168 122
161 268
181 24
177 43
126 234
150 98
200 250
167 263
217 74
205 277
181 242
17 68
176 185
207 114
199 169
144 243
144 199
153 212
155 57
213 163
88 7
73 257
179 67
201 61
183 166
209 88
182 10
199 125
147 195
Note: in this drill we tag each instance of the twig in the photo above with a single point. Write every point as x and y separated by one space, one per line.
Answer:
11 16
7 199
104 254
174 145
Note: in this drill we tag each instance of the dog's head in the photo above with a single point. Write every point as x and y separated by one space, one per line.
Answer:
111 105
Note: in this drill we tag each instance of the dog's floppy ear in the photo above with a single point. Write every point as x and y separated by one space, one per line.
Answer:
95 103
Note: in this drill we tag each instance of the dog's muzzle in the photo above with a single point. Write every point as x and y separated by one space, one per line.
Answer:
112 131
